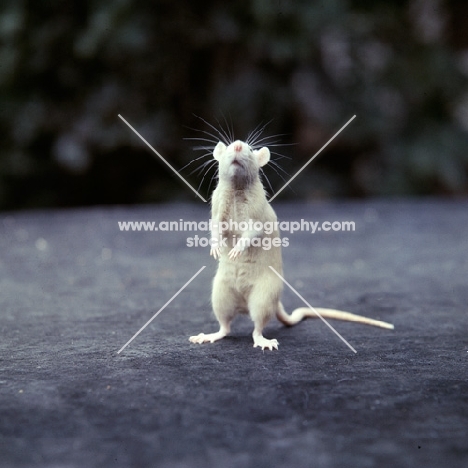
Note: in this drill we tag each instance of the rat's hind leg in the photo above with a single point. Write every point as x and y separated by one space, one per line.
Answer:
261 309
224 329
261 341
224 308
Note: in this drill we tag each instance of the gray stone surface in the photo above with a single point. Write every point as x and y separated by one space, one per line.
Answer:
74 290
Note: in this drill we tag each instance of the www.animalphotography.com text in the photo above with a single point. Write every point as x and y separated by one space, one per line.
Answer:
267 228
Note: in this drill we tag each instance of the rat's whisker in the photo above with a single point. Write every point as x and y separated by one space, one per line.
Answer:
258 136
220 133
275 166
277 169
214 138
207 140
267 143
280 156
264 176
224 132
276 144
196 159
230 128
256 132
203 148
214 176
202 166
268 140
207 171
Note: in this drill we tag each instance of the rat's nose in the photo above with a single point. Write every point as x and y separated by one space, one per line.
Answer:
237 146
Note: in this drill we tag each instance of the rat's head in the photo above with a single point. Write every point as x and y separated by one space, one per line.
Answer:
239 164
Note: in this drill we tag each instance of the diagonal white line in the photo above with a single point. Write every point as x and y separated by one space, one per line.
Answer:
191 188
312 158
319 316
161 309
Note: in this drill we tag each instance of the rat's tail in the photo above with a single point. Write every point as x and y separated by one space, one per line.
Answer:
304 312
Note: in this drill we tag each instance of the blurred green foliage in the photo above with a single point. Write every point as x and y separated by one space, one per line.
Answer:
67 69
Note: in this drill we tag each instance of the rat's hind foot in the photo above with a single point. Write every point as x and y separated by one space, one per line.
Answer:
265 343
210 338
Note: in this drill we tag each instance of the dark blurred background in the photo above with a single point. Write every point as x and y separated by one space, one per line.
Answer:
68 68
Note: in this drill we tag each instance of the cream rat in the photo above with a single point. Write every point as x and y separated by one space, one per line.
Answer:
244 283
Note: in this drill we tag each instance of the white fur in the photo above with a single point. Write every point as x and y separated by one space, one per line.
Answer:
244 283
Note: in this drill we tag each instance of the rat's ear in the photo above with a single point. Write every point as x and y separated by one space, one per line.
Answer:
263 156
220 148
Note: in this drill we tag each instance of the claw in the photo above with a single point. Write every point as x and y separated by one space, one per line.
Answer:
209 338
234 254
265 343
215 252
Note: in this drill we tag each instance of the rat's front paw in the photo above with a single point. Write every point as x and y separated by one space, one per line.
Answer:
234 254
215 252
236 251
216 245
